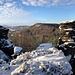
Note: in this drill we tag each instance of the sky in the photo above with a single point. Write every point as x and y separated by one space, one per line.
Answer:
29 12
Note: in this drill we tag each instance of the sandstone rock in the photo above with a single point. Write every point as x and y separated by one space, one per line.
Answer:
67 33
5 44
67 41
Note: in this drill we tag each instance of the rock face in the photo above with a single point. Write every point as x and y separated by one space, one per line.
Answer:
3 56
67 40
67 37
5 44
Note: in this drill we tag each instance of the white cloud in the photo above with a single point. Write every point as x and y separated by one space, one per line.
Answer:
9 13
35 2
40 2
12 12
9 4
71 2
26 3
48 2
1 2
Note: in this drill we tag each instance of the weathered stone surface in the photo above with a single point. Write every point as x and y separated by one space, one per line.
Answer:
3 32
67 41
5 44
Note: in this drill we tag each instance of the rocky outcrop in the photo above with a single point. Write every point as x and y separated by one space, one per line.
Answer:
67 40
45 60
5 44
67 37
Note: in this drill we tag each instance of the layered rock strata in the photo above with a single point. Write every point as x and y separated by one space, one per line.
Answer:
67 37
67 41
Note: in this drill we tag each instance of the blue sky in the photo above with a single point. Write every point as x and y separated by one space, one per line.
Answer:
29 12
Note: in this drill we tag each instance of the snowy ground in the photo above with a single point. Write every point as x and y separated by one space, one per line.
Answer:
42 61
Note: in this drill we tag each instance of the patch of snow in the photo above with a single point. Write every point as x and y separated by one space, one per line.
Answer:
44 61
9 43
66 43
50 64
20 59
45 46
36 53
4 67
60 27
67 33
68 21
69 29
70 40
17 50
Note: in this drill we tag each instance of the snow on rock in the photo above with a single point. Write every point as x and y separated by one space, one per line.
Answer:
51 64
17 50
20 70
45 61
4 67
36 53
5 43
68 21
45 46
69 29
3 56
20 59
6 46
9 43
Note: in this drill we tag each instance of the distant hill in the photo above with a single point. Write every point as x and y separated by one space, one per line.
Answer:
15 28
47 24
30 37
